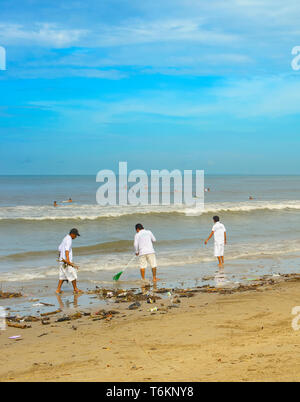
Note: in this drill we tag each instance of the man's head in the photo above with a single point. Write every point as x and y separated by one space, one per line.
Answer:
74 233
139 227
216 219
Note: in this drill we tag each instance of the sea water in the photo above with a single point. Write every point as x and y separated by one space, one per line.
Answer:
263 233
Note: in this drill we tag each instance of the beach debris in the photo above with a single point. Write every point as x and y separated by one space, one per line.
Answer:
51 313
149 300
186 294
123 296
64 318
9 295
134 306
152 310
207 278
44 334
43 304
15 337
45 321
162 290
104 314
31 318
75 316
17 325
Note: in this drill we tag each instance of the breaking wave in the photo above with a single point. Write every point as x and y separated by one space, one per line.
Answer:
95 212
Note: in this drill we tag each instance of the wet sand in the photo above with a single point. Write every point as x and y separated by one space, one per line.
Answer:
218 336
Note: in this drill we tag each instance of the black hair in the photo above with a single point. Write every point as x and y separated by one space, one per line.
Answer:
216 218
139 226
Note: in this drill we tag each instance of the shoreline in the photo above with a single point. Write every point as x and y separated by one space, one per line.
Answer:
218 334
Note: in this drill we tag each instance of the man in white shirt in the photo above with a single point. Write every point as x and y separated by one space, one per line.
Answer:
219 233
143 245
67 270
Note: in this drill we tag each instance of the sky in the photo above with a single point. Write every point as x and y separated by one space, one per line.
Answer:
173 84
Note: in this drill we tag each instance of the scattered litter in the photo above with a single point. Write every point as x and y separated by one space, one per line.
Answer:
45 322
9 295
62 319
134 306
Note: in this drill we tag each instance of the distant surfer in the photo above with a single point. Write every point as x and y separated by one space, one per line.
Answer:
67 270
55 204
219 233
143 245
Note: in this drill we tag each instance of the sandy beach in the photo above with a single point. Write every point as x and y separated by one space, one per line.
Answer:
239 336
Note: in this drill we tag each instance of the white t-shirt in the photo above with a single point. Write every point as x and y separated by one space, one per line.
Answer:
65 245
143 242
219 230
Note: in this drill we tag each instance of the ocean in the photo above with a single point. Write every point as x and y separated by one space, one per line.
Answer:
263 233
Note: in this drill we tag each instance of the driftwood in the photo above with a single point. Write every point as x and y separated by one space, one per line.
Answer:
50 313
20 326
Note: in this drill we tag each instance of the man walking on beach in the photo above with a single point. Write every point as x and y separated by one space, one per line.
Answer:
67 270
144 249
219 233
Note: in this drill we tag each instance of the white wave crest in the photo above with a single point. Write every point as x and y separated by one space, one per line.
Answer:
93 212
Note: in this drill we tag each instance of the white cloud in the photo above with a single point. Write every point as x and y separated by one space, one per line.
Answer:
53 73
245 98
44 34
165 30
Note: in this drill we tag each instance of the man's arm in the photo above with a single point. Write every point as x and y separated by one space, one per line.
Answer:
67 260
225 238
67 254
210 236
152 237
136 245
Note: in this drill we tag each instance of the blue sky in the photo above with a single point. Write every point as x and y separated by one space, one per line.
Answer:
160 84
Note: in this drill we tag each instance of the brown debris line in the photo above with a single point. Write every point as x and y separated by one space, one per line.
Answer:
9 295
260 282
122 296
184 292
162 290
17 318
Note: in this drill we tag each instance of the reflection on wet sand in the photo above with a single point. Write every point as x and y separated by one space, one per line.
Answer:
66 304
221 279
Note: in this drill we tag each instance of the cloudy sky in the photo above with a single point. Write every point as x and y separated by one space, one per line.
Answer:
161 84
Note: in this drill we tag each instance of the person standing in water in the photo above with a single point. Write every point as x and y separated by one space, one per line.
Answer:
219 233
67 270
143 245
